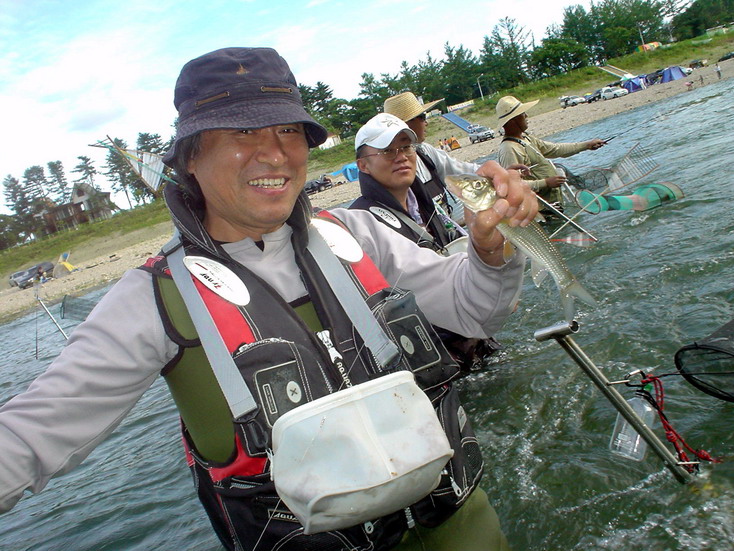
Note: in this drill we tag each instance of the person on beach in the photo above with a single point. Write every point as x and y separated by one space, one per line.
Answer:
386 158
244 282
718 70
520 148
432 164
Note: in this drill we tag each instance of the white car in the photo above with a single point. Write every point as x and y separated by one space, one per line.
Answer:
570 101
613 92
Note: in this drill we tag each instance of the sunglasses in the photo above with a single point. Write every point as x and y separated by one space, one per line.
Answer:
421 117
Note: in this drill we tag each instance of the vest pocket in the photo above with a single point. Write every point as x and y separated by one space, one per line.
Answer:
422 351
281 375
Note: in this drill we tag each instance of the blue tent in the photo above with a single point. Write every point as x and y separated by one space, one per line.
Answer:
350 171
672 73
634 84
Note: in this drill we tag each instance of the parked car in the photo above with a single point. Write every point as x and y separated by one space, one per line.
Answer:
314 186
570 101
726 56
610 92
479 133
593 96
25 278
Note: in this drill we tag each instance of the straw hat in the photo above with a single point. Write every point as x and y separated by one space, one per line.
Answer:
406 106
509 107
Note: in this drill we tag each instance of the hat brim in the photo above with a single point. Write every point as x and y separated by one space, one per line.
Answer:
250 114
518 110
425 108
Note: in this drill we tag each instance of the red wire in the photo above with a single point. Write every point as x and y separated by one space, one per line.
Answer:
670 433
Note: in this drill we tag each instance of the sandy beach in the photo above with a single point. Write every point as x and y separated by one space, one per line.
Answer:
106 261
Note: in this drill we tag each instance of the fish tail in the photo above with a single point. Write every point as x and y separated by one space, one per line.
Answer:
571 291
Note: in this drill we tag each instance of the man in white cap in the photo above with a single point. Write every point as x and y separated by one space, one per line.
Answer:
520 148
254 309
432 164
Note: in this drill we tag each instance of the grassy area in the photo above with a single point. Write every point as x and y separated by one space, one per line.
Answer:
49 248
547 90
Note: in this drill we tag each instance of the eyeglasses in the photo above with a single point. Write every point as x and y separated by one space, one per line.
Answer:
421 117
392 153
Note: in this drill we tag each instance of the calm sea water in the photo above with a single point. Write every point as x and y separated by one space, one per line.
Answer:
663 279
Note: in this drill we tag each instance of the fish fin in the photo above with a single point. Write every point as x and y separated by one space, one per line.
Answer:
538 271
571 291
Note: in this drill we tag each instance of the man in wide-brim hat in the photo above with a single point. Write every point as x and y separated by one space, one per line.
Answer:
520 148
432 164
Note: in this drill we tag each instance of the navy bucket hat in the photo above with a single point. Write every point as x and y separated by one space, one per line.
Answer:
239 88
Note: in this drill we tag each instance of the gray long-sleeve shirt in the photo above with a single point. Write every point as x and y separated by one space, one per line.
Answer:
117 353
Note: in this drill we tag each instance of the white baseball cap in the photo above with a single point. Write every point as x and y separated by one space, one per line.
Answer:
381 130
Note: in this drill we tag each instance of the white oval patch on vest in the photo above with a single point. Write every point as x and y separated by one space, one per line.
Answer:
407 344
387 216
339 240
293 390
219 279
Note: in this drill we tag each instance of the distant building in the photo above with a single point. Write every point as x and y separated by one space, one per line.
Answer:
87 204
331 141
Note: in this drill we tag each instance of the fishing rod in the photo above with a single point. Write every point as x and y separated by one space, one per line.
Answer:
565 217
561 334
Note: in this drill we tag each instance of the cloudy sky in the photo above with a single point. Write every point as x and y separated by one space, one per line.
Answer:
74 71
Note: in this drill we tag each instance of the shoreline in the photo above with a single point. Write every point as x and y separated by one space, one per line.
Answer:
106 261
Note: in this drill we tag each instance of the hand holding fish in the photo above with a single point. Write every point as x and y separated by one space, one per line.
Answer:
492 211
515 204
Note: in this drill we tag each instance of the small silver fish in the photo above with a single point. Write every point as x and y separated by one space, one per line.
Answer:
478 194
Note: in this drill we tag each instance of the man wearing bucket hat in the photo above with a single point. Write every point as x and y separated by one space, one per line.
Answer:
520 148
250 312
432 164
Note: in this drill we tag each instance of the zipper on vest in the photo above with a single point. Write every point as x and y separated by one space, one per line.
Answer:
336 358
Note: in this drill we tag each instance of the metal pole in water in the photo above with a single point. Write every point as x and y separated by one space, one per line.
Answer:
52 318
560 333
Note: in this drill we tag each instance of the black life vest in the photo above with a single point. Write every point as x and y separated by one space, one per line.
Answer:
272 347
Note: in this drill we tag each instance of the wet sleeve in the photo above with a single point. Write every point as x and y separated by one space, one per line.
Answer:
109 361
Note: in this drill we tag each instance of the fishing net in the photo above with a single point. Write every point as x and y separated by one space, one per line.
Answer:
709 363
76 308
632 167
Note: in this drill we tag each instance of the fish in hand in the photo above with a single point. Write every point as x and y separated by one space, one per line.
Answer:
478 194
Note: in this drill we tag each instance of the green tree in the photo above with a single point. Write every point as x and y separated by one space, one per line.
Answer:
458 74
702 15
10 233
58 182
505 55
20 199
119 172
35 182
86 171
557 55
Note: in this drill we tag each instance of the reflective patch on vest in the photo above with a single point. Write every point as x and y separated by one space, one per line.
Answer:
280 389
339 240
219 279
407 344
387 216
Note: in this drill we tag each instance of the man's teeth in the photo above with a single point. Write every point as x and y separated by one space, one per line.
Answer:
268 182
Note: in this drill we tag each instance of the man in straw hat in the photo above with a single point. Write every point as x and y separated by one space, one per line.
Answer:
520 148
432 164
238 315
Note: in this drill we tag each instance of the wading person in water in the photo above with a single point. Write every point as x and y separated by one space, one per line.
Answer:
249 263
520 148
